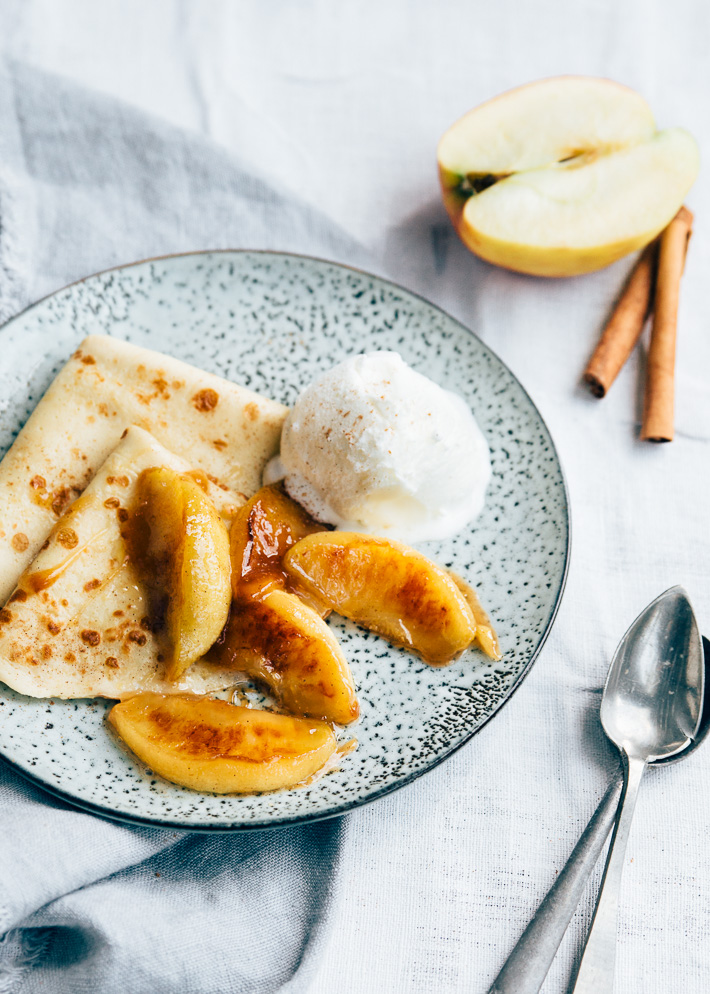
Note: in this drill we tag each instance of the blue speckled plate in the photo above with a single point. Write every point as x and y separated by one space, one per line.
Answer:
273 322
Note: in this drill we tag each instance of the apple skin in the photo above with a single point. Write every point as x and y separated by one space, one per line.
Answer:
531 259
666 166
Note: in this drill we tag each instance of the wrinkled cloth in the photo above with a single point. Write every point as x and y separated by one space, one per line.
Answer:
87 905
343 105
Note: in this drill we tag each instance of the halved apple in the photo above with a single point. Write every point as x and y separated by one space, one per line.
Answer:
210 745
285 644
563 176
386 587
181 547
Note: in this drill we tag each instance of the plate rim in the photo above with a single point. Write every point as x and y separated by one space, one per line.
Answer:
346 807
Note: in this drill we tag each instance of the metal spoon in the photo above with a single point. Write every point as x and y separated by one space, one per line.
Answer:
651 709
527 966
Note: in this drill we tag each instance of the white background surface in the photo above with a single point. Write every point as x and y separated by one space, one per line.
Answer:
343 104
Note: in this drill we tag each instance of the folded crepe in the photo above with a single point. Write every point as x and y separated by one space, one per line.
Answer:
79 621
225 430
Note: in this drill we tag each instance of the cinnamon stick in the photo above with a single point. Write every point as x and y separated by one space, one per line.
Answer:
625 325
660 374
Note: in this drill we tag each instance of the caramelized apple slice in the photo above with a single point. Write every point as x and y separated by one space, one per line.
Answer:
282 642
388 588
261 533
485 633
208 744
182 549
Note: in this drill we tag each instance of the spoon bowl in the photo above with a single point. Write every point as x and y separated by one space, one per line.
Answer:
652 699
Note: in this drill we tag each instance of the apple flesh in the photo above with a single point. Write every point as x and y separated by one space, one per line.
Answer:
273 636
486 636
387 587
262 532
563 176
211 745
181 548
283 643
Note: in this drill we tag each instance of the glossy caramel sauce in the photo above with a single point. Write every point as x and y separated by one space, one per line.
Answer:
195 738
270 634
255 627
55 500
389 589
486 636
200 478
262 532
42 579
167 509
205 728
147 553
332 764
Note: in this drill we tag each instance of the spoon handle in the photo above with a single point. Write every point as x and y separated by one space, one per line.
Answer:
596 971
526 968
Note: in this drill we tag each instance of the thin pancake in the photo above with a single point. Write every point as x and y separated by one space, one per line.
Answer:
107 385
78 624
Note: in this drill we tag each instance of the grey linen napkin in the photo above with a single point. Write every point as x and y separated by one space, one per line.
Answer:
87 905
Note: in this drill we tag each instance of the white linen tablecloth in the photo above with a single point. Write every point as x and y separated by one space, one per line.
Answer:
341 106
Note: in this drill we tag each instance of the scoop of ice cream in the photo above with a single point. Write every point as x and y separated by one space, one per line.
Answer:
374 446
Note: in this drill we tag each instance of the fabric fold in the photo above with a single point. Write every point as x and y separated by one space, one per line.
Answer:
88 905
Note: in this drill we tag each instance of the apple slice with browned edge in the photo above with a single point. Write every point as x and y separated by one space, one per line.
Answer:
181 548
261 533
387 587
285 644
563 176
211 745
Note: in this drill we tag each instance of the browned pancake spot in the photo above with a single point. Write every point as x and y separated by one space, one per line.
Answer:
60 499
67 538
205 400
